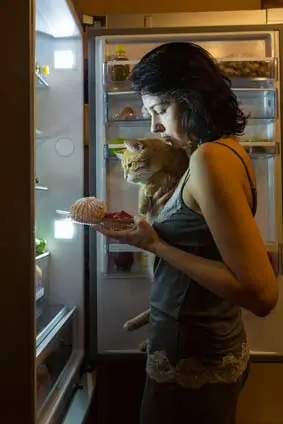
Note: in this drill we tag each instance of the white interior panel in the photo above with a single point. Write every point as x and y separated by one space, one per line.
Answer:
59 165
54 17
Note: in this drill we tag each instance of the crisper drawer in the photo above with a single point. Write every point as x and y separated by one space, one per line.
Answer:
53 355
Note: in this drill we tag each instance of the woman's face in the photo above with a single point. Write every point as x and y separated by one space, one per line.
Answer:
165 120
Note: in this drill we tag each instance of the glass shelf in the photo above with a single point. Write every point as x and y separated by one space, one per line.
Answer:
243 72
129 123
127 110
258 131
112 151
124 109
51 316
41 256
257 103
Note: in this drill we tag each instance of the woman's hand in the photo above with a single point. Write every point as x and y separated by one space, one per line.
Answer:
142 235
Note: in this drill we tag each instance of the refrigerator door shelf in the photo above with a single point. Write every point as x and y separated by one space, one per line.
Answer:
57 362
41 82
49 318
53 407
53 355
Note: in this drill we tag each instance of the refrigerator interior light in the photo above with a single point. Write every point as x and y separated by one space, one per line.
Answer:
64 59
64 229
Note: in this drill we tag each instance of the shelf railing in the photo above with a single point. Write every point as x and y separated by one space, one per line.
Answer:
41 80
41 188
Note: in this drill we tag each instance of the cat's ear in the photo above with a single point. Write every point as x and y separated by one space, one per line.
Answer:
134 145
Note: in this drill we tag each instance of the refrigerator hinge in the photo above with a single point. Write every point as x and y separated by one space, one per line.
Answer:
94 21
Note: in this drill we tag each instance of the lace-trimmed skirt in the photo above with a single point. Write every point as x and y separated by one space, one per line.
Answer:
170 403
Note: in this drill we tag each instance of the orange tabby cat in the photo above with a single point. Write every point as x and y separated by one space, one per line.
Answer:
153 165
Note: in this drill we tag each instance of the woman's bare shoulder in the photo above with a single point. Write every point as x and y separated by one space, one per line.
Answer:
217 185
227 154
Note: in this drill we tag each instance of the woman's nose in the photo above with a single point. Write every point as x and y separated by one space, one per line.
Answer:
156 127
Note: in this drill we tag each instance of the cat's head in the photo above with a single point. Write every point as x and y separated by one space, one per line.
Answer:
139 159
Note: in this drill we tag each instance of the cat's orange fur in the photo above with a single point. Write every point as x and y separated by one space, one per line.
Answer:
154 165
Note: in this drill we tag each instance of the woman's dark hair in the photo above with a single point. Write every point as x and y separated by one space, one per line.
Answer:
186 73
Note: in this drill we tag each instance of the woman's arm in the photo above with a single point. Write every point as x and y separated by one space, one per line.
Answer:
246 277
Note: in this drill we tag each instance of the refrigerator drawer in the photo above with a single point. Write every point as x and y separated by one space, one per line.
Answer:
52 356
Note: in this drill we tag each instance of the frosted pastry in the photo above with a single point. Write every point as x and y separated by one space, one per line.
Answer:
88 210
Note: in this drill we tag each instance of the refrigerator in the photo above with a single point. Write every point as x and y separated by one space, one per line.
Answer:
250 56
72 289
58 182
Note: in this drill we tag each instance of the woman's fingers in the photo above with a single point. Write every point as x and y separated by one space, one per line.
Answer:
111 233
119 234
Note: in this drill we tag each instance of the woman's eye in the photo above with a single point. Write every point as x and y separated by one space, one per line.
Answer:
161 112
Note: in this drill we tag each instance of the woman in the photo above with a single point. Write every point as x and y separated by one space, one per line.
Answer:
210 257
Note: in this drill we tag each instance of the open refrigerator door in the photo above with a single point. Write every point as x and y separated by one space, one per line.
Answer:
59 181
251 59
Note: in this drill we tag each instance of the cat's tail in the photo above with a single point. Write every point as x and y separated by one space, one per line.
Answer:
138 321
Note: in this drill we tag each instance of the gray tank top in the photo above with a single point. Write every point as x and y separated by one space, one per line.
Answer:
195 336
